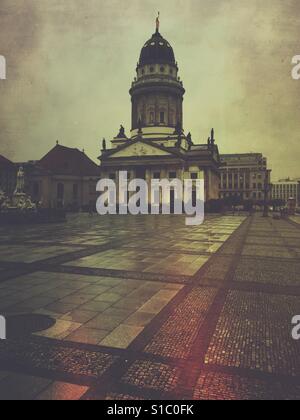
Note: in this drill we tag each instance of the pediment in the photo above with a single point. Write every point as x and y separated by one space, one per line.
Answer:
139 149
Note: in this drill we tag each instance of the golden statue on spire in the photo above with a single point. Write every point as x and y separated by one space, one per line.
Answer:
158 22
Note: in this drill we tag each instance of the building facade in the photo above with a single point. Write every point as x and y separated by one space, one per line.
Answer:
8 176
286 189
158 146
244 176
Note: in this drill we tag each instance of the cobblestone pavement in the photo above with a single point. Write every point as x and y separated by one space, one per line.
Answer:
147 308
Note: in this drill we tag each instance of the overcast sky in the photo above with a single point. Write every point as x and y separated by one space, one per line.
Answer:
71 63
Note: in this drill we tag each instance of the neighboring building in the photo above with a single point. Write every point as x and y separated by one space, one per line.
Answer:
157 146
285 189
244 176
8 175
63 178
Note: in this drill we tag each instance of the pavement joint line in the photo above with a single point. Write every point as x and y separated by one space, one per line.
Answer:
120 274
291 222
192 371
62 259
121 367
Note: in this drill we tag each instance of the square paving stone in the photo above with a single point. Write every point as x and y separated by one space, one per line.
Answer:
105 322
140 319
122 336
108 297
60 391
21 387
87 335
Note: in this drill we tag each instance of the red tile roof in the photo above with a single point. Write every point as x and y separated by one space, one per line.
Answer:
63 160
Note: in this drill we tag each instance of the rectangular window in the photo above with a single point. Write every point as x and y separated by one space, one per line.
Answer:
194 175
156 175
162 117
172 175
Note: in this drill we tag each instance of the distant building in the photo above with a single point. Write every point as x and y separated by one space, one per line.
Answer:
244 176
8 175
63 178
285 189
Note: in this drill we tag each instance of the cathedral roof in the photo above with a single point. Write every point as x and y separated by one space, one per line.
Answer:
5 162
157 51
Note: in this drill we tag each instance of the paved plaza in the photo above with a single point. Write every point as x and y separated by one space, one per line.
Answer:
148 308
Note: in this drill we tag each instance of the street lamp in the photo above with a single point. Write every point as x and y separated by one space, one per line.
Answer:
267 189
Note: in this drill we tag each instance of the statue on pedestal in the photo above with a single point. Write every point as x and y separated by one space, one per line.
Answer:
20 199
20 182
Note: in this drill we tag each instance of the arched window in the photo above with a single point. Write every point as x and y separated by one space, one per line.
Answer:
151 117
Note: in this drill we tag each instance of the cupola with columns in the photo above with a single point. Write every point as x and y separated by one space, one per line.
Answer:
157 92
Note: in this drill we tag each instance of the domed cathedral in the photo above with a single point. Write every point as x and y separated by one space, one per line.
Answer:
158 146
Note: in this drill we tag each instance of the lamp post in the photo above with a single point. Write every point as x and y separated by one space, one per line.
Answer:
267 189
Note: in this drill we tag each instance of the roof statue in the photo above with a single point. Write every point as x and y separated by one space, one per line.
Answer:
121 134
